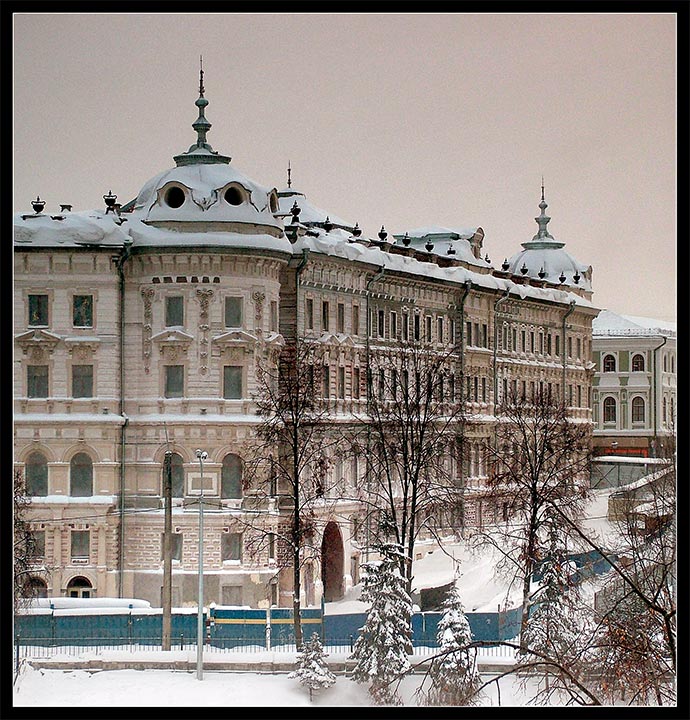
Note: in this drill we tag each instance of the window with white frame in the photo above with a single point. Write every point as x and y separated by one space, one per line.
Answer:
174 311
233 312
638 409
232 382
609 409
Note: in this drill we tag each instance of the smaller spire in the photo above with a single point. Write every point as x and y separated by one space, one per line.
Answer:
289 175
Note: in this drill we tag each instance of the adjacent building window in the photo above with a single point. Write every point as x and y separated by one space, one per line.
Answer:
325 311
609 363
326 381
405 326
340 319
381 323
80 544
394 325
355 383
177 475
39 539
341 383
439 329
309 312
485 336
36 475
38 310
468 333
233 312
37 381
82 310
638 363
231 547
174 311
81 476
609 410
428 328
558 345
174 381
417 327
355 319
232 382
638 410
274 316
82 381
231 477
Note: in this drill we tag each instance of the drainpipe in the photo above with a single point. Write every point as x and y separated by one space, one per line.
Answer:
654 389
371 281
298 271
503 298
120 261
568 312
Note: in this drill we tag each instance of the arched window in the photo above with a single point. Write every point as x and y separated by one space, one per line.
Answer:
36 475
177 476
231 477
609 363
609 409
81 476
665 362
638 409
35 587
638 363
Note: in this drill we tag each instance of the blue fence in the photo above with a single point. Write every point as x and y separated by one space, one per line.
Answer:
587 564
228 628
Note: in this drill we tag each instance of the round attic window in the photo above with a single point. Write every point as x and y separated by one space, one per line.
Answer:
175 197
234 196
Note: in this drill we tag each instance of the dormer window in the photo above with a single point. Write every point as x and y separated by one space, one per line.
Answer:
174 197
273 203
234 195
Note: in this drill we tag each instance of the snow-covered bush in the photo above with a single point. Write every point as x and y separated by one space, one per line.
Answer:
383 647
312 669
453 673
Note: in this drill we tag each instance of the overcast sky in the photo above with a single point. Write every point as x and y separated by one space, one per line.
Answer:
402 120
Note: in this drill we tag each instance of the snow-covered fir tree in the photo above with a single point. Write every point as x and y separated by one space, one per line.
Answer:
312 670
383 647
454 675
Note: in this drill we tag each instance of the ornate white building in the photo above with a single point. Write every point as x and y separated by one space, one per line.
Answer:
634 386
139 329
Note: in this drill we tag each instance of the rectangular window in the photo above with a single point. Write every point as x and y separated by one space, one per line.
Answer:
531 340
579 345
394 325
355 319
326 382
531 389
428 336
439 330
274 316
39 541
81 540
381 323
548 344
233 312
485 335
405 326
523 338
483 389
232 595
468 388
579 396
232 382
514 348
174 311
340 319
355 383
175 546
570 347
271 546
558 345
451 325
82 381
325 312
82 311
476 389
382 384
231 547
341 383
541 343
468 333
38 310
174 381
310 314
417 327
37 381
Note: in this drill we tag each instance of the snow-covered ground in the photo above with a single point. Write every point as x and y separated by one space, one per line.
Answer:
168 688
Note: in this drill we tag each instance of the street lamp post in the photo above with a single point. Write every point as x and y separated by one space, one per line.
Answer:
201 455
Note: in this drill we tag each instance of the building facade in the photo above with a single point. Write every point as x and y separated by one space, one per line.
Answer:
140 330
634 386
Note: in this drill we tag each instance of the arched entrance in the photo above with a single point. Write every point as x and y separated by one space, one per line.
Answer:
332 562
79 587
35 587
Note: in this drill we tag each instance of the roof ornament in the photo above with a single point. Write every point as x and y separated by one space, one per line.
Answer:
524 269
451 249
383 234
406 239
201 151
356 231
289 175
109 202
327 225
576 277
542 272
486 259
429 245
543 219
505 265
562 277
38 204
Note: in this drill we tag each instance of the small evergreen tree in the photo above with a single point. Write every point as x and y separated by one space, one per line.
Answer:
312 669
454 675
383 647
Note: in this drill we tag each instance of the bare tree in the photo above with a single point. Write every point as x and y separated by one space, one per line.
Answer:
25 554
539 459
288 467
412 437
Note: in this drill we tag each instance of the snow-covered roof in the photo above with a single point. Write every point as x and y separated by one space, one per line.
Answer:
609 323
446 242
90 228
309 214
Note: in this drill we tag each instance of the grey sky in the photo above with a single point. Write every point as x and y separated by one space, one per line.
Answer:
402 120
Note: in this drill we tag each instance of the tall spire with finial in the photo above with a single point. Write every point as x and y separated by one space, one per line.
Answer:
201 151
543 219
289 175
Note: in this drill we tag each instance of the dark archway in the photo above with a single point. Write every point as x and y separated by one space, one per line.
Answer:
79 587
332 563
